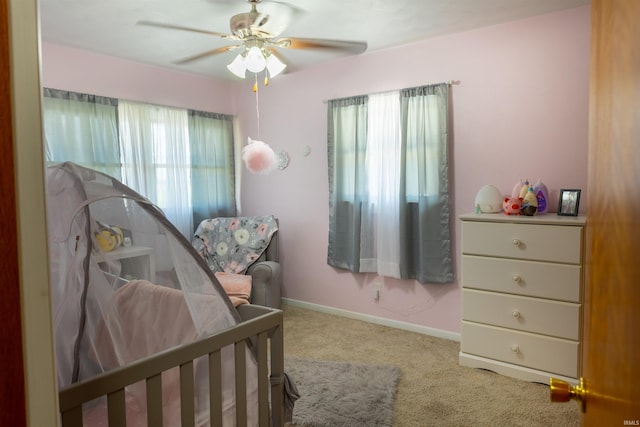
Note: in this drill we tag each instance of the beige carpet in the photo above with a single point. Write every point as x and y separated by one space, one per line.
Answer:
434 390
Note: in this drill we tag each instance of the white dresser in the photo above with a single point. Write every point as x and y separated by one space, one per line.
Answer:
522 295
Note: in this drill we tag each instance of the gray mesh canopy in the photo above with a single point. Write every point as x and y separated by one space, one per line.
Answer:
125 284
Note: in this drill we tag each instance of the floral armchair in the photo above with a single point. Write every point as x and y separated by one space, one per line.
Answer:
244 245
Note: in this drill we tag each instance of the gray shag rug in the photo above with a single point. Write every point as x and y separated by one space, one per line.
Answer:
343 394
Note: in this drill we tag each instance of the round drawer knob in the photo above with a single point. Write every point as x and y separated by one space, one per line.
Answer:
516 278
516 242
516 314
515 349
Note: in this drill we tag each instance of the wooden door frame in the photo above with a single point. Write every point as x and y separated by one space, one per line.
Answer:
12 389
21 113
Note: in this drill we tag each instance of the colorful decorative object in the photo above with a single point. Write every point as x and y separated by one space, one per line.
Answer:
533 204
529 203
512 205
259 157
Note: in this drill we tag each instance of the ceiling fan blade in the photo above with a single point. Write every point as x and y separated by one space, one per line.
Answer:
179 27
341 45
206 54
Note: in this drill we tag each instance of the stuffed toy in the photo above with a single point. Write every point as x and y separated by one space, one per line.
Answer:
512 205
529 203
108 237
521 188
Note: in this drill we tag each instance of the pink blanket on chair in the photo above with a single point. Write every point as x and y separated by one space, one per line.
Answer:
237 286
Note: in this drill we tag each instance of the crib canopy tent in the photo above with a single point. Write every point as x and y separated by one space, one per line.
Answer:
125 285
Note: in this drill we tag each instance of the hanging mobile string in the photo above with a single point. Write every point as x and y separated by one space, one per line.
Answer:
255 89
258 156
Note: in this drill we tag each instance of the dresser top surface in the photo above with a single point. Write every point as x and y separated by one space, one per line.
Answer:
549 219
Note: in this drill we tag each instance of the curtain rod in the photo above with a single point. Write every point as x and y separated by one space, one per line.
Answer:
448 82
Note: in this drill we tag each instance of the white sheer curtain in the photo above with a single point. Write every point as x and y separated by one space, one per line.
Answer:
156 160
379 243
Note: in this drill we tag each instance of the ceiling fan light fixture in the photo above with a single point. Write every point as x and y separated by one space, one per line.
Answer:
274 65
257 32
255 60
238 67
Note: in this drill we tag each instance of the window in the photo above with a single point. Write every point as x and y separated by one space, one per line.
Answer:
158 151
388 183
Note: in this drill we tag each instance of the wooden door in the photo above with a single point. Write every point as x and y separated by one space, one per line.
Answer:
611 356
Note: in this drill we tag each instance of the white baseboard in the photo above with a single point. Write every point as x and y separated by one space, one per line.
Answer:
374 319
509 370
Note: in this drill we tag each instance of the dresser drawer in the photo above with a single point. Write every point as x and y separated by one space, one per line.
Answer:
554 318
529 278
553 355
555 243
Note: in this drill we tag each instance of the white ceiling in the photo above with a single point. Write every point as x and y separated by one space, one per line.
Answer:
109 26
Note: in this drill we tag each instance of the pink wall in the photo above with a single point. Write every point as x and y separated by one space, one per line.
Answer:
520 110
81 71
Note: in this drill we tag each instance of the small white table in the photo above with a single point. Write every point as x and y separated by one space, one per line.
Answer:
138 262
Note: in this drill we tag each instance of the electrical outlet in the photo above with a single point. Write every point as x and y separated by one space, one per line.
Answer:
375 290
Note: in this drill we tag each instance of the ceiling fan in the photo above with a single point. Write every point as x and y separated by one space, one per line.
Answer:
257 33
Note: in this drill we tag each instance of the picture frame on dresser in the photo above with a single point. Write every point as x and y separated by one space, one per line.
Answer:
569 202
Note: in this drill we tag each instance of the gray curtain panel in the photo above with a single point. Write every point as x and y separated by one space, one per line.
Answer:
346 144
426 235
211 143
